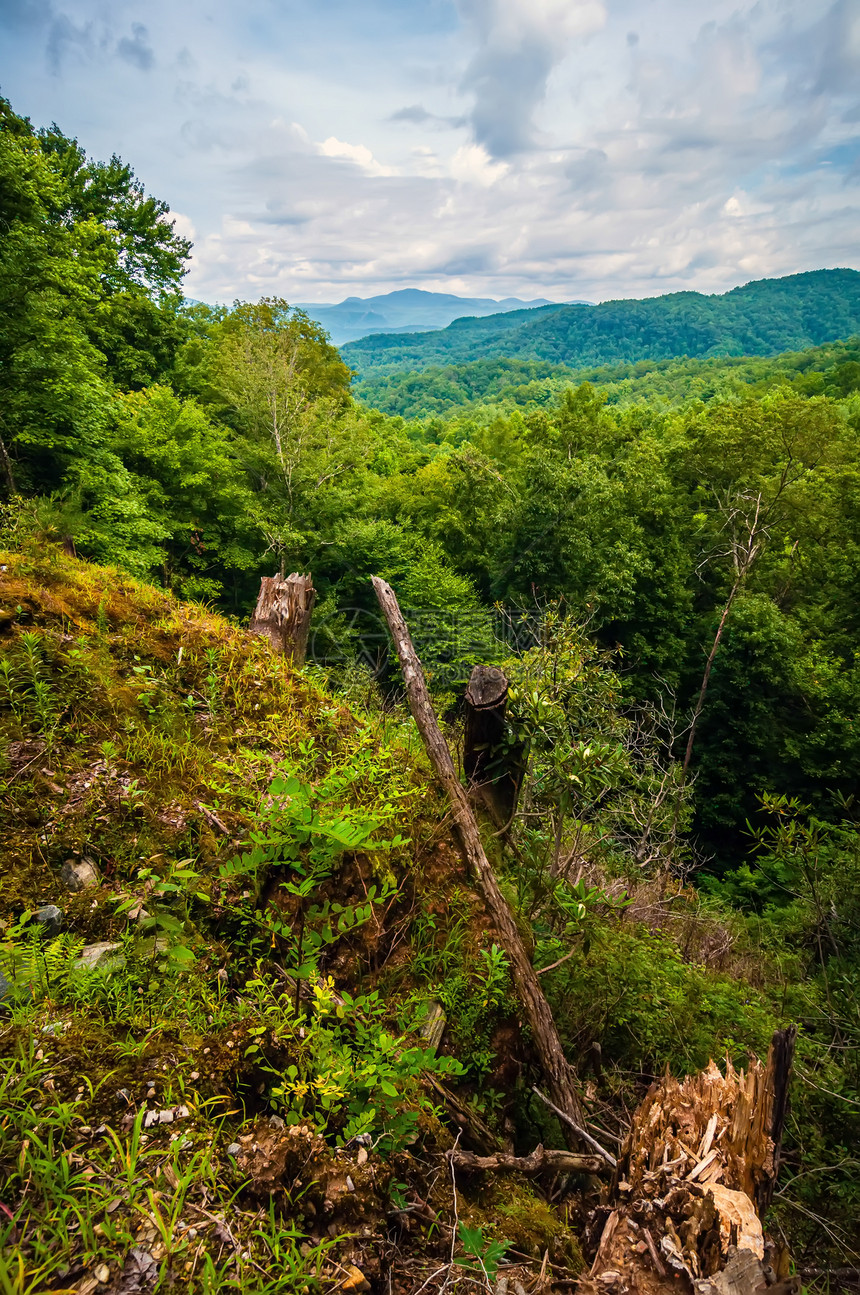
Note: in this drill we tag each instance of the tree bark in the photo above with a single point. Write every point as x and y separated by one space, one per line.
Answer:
558 1073
283 614
486 704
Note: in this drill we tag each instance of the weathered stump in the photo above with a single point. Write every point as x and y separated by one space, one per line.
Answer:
283 614
495 773
693 1181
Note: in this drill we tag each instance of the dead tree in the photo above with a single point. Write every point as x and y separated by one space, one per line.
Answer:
694 1179
283 614
496 781
558 1073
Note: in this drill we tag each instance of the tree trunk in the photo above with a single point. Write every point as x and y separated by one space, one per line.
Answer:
497 783
283 614
7 468
558 1073
696 1174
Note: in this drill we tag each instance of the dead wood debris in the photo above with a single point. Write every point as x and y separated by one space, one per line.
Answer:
695 1175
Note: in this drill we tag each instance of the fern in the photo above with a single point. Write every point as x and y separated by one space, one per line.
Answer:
36 967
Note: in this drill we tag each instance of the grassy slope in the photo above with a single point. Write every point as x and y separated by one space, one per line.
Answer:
760 318
144 733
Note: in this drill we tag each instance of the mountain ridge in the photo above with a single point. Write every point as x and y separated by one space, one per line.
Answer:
762 317
407 310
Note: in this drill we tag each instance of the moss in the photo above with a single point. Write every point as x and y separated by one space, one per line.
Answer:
511 1209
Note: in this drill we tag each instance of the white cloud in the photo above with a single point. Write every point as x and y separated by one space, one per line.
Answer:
360 154
508 147
472 164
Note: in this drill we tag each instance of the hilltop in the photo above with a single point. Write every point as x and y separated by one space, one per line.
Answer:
761 318
408 310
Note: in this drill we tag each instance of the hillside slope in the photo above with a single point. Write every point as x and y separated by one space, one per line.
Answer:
457 390
230 905
760 318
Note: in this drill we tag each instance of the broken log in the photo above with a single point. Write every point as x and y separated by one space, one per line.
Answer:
584 1136
540 1161
559 1075
495 774
695 1174
283 614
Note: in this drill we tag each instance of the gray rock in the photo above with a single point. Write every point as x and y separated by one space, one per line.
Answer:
233 1149
80 874
50 917
106 957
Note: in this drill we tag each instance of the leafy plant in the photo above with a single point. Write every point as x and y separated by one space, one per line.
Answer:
482 1252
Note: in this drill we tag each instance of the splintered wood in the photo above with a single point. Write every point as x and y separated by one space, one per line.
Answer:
695 1175
283 614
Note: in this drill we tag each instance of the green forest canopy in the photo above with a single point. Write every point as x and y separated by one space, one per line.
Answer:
202 447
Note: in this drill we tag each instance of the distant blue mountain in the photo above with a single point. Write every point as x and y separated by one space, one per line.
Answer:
409 310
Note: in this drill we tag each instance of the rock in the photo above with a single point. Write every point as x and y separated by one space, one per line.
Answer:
139 1274
106 957
80 874
50 918
233 1149
355 1280
103 1273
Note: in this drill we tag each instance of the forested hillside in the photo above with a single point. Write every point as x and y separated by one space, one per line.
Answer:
760 318
483 387
233 900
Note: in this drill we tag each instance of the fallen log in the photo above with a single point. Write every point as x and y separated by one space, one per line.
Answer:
474 1130
606 1156
559 1075
539 1161
694 1178
283 614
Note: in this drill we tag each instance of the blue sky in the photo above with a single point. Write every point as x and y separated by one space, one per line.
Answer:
558 148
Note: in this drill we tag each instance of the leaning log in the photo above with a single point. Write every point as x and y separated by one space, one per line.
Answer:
695 1174
558 1073
492 771
283 614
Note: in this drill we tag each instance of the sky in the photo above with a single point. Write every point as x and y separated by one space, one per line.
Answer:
318 149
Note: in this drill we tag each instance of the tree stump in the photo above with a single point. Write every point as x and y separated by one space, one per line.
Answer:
693 1181
495 774
283 614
